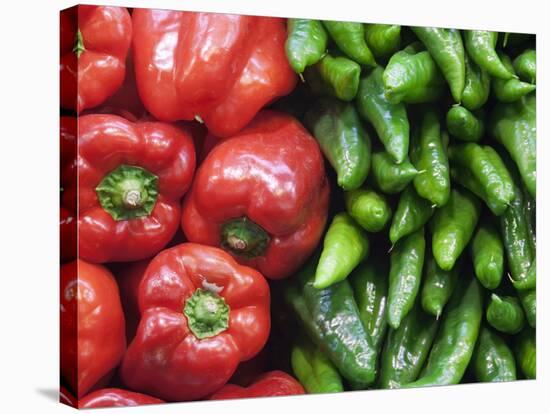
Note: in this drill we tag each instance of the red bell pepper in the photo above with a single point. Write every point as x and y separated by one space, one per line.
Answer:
270 384
94 42
92 326
262 195
115 397
202 314
67 219
131 177
218 68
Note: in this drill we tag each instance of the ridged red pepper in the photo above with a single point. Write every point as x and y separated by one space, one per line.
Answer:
94 43
115 397
201 315
67 211
219 68
131 177
270 384
262 195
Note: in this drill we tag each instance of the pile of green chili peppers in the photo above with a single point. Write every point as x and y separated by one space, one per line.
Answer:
427 271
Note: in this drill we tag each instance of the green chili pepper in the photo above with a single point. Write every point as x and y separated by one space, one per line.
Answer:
407 260
370 209
505 314
487 167
465 125
350 39
477 86
512 89
411 214
493 360
313 369
389 177
389 120
383 39
334 76
369 281
438 287
488 255
457 336
412 77
528 299
345 246
530 280
343 140
480 45
406 349
526 353
515 127
525 66
306 43
529 210
429 157
445 46
453 227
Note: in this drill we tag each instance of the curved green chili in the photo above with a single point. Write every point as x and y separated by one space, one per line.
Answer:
350 39
429 157
477 86
334 76
528 299
438 286
525 66
526 353
530 280
493 360
512 89
445 46
370 209
411 214
480 45
406 263
465 125
346 244
343 140
453 227
383 39
505 314
488 255
389 120
306 43
389 177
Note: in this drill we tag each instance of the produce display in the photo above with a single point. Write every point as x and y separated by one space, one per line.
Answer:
256 206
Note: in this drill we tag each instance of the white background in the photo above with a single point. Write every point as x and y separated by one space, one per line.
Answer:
29 205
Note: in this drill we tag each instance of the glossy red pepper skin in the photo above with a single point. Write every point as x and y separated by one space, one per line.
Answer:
90 78
67 211
92 325
115 397
166 359
273 174
270 384
221 68
66 397
108 141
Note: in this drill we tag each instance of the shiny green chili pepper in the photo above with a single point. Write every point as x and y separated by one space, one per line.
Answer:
406 349
335 76
529 210
389 120
525 66
412 77
526 353
429 157
453 227
370 209
306 43
346 244
389 177
445 46
342 139
350 39
313 369
515 127
512 89
406 263
465 125
530 280
411 214
369 281
505 314
487 167
528 299
383 39
477 86
488 255
493 360
438 286
480 45
454 344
